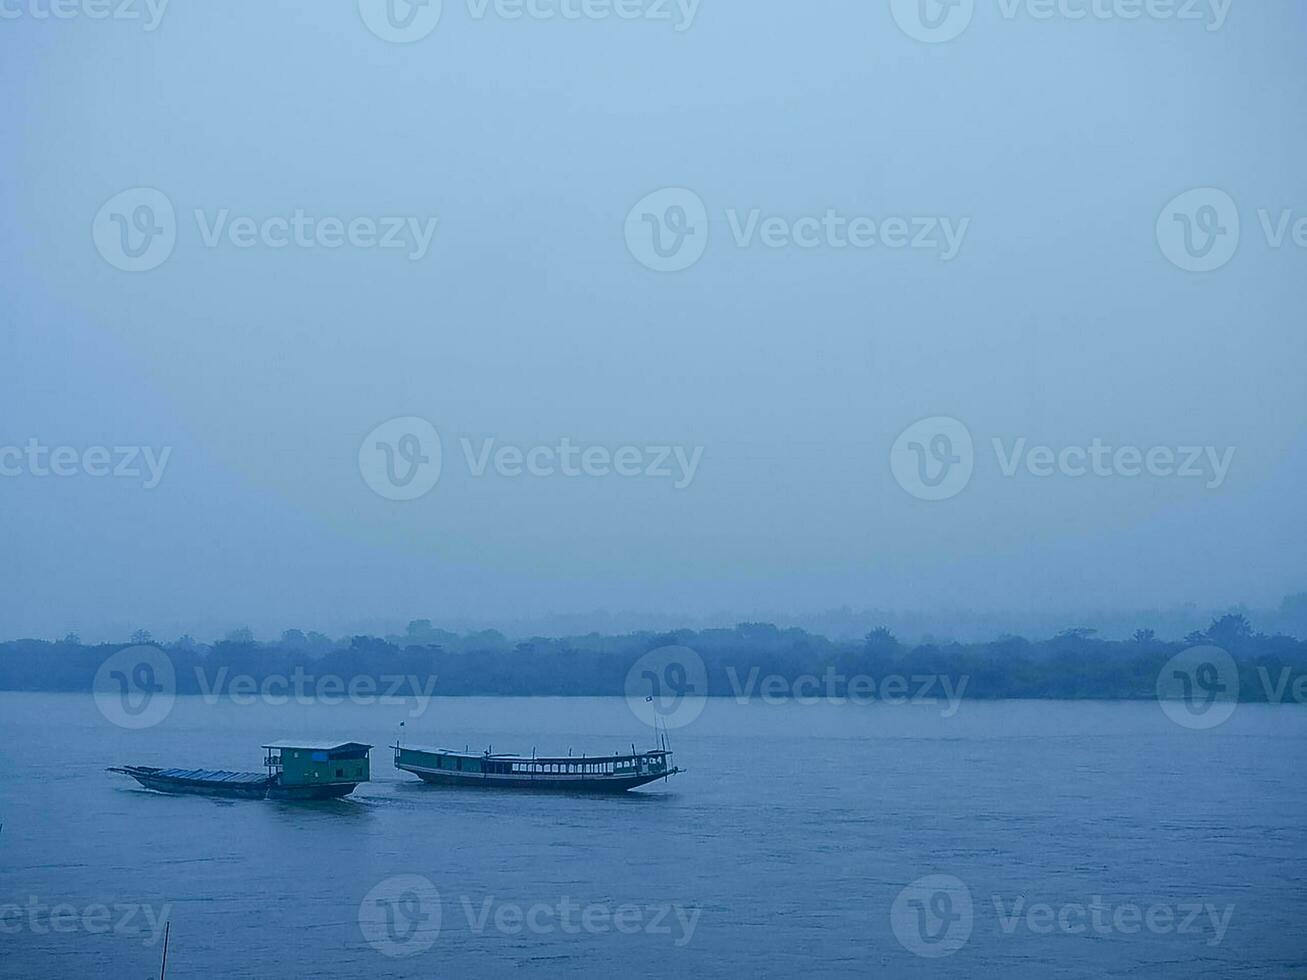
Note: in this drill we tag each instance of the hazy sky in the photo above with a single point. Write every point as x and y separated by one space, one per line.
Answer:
1059 312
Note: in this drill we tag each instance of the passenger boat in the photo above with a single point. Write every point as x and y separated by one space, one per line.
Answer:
571 773
295 771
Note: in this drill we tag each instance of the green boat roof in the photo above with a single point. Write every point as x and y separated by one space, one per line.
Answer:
316 746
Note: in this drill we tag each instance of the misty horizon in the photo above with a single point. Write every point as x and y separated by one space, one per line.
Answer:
1288 617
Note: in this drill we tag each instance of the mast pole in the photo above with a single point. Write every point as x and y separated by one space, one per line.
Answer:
163 968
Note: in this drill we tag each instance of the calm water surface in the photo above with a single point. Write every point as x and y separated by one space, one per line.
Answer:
781 852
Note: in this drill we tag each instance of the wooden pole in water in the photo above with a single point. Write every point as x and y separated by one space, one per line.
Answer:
167 927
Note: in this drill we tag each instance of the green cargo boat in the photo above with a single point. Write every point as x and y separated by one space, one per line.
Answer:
295 771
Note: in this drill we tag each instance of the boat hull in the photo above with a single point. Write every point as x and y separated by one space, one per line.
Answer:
230 785
543 783
228 788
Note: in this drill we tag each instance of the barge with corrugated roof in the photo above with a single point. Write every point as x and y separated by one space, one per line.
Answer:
295 771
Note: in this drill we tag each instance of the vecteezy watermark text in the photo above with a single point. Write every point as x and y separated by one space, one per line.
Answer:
303 230
676 463
148 12
35 459
137 687
402 459
832 230
1102 918
937 21
121 919
934 459
573 918
407 21
679 13
1207 463
668 231
832 687
137 229
935 916
402 916
302 687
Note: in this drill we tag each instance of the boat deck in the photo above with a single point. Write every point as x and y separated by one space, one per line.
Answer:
213 775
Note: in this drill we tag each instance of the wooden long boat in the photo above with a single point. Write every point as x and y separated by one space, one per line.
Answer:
295 771
568 774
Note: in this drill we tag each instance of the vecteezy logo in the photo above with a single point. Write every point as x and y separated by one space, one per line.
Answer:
667 231
401 916
400 459
135 231
933 21
668 687
400 21
933 459
933 916
1199 687
1199 230
136 687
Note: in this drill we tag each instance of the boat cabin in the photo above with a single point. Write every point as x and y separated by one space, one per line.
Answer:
617 765
317 763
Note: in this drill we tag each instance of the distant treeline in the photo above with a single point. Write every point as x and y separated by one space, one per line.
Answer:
939 625
1074 664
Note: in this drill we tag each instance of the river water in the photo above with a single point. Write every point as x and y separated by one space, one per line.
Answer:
1014 839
